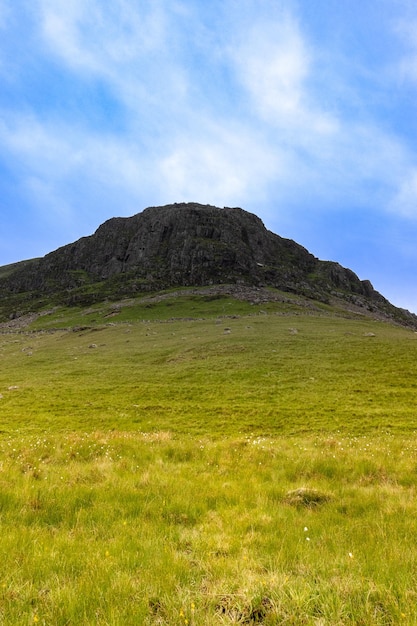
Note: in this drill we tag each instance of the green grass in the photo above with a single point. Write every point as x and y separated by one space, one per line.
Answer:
146 468
167 306
269 374
132 528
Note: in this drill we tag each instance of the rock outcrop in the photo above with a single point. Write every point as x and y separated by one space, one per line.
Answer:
183 245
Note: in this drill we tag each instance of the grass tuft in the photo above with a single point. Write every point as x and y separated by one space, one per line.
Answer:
304 496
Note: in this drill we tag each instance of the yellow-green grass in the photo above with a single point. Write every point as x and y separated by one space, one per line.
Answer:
263 373
131 528
169 305
148 471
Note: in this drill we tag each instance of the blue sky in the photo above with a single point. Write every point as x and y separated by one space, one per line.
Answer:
301 111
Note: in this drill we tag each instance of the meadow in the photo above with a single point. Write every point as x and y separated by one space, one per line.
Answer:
208 462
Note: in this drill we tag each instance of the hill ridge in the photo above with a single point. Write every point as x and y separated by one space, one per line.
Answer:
182 245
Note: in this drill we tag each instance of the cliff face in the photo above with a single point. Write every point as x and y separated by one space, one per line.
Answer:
180 244
183 245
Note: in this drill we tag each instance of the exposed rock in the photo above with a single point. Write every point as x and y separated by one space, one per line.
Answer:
181 245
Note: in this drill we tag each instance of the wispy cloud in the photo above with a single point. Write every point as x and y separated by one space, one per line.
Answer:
223 165
129 47
272 63
404 202
93 37
55 161
406 29
332 152
274 128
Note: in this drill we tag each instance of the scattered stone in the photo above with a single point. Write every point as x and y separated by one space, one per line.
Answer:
369 335
92 345
18 321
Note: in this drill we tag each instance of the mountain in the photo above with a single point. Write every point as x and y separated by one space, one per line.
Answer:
186 244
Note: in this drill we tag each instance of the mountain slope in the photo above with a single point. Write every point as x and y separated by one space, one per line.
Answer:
182 245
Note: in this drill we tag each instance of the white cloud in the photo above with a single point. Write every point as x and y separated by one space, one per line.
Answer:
272 63
404 203
130 47
406 29
275 63
33 147
333 153
95 37
282 142
222 166
56 161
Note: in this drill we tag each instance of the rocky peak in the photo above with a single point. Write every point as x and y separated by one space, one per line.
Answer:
186 244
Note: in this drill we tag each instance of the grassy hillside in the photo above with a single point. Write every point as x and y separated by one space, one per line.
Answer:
267 373
206 461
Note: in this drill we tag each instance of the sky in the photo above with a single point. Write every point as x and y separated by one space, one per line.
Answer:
300 111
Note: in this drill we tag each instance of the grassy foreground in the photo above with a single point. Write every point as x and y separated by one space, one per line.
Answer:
256 469
130 528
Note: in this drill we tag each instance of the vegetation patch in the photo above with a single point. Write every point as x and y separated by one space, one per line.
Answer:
304 496
164 528
178 474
